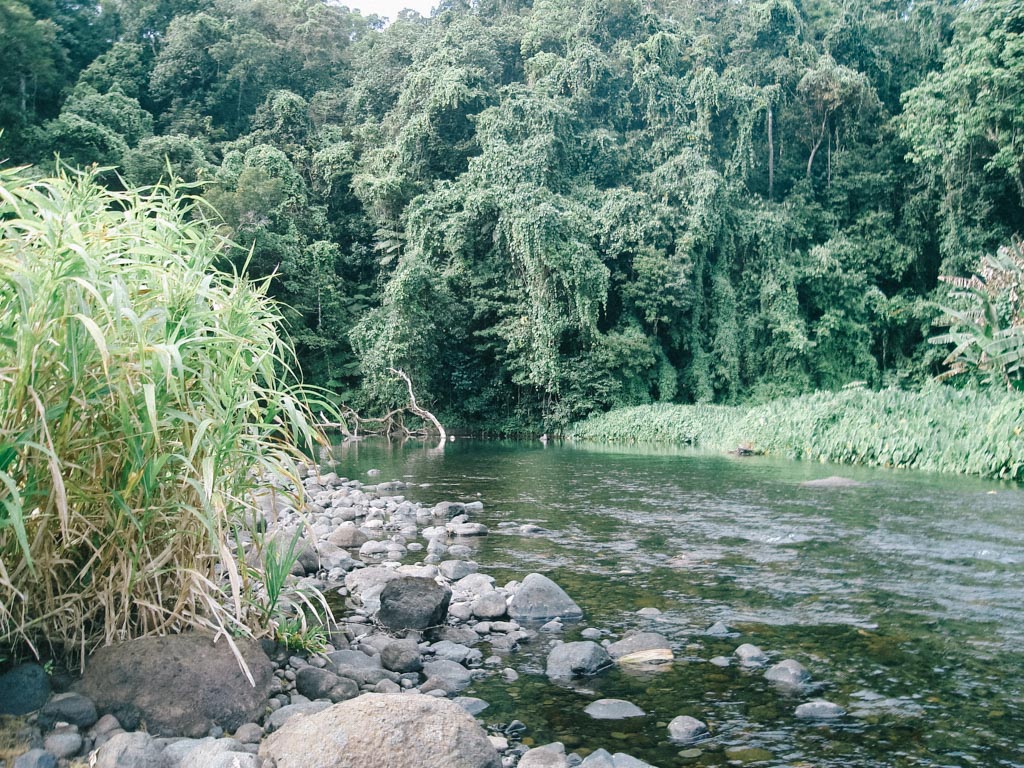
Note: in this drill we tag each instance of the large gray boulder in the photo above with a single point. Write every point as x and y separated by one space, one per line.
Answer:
577 659
179 685
540 599
381 731
413 603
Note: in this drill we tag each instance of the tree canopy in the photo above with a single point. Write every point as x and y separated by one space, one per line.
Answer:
543 209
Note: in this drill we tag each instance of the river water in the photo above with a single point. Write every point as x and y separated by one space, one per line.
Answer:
903 596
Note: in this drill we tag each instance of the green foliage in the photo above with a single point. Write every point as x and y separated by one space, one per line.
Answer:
544 209
986 326
938 429
146 396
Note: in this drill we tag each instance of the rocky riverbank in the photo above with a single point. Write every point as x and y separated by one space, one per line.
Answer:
417 622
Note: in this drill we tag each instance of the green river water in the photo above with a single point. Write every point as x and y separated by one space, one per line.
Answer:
904 597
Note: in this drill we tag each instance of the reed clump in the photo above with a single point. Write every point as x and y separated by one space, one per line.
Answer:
939 428
145 395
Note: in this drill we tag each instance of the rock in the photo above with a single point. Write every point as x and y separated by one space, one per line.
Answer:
750 655
63 742
380 731
36 758
831 482
472 586
453 675
649 612
684 729
23 689
600 758
411 603
490 605
540 599
446 649
819 710
789 673
180 685
613 709
277 719
130 750
401 656
467 529
249 733
348 536
718 629
547 756
552 626
206 753
71 708
636 642
471 704
453 570
720 661
577 659
314 683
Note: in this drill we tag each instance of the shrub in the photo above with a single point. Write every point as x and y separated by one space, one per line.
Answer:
940 428
144 395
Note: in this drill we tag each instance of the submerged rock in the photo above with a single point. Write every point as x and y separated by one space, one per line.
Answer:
641 648
684 729
750 655
835 481
577 659
613 709
819 710
789 673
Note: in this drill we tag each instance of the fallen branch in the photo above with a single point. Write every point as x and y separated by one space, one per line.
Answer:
390 423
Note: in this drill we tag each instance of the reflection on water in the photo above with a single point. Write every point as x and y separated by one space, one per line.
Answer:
901 595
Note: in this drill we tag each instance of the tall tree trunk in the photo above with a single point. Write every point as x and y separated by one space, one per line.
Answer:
817 145
771 153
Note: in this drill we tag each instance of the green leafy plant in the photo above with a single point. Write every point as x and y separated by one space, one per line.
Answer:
145 396
297 635
986 329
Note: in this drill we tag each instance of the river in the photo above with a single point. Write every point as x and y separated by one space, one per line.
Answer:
903 597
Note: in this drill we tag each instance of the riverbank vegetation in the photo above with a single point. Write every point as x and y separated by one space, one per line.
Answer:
145 397
539 210
976 432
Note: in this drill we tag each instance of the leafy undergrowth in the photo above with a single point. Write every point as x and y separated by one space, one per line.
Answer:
971 431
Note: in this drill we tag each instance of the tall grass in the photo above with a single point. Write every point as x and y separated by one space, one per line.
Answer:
976 432
144 395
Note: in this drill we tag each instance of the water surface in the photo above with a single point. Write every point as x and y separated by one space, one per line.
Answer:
903 597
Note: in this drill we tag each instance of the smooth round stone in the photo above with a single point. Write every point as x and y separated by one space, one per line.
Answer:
819 710
720 661
750 655
63 743
591 634
788 672
613 709
648 611
685 728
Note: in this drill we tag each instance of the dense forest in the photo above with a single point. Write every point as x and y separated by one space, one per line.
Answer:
543 209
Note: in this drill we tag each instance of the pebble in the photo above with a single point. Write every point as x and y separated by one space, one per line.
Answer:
63 742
